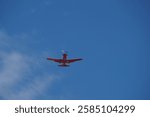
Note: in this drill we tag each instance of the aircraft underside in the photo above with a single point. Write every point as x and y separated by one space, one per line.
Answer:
64 62
64 65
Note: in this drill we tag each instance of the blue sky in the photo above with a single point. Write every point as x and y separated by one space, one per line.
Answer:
112 36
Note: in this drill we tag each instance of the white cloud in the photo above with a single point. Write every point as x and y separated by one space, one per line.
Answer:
17 78
12 69
15 68
34 88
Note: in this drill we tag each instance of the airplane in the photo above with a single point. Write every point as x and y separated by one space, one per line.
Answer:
64 62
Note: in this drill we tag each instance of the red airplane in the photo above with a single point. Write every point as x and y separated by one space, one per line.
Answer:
64 62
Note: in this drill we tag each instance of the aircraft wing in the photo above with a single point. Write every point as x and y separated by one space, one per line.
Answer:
55 60
73 60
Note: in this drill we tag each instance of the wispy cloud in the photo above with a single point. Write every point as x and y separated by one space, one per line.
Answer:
17 79
15 70
34 88
12 68
4 37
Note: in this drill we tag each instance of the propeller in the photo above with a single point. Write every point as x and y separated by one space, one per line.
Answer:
64 52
